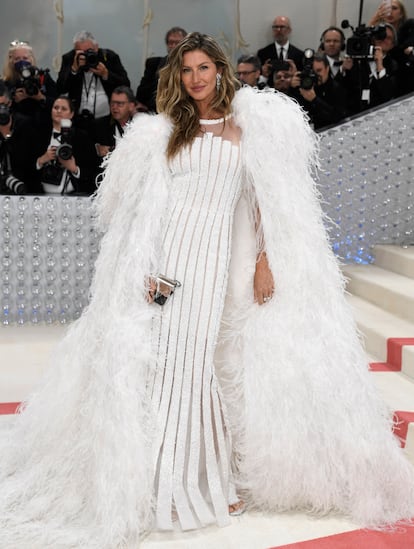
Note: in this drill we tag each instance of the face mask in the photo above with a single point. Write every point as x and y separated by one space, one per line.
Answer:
20 65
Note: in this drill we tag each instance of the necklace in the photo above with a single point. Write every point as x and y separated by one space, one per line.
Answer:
211 121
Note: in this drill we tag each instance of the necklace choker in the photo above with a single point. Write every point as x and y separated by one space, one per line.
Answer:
211 121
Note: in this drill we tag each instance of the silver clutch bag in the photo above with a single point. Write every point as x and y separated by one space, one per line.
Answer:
164 288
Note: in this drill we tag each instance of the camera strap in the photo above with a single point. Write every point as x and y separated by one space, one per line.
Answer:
66 182
88 88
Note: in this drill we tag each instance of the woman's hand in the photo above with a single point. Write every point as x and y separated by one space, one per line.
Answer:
49 156
152 288
69 164
383 11
263 284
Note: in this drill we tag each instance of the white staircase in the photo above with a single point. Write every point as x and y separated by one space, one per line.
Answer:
382 298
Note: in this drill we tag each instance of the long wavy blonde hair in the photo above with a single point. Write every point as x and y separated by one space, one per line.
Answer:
174 101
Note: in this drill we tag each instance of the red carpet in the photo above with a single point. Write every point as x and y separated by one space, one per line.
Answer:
403 538
8 407
402 421
394 355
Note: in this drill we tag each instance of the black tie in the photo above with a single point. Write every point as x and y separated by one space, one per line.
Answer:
56 135
281 58
337 63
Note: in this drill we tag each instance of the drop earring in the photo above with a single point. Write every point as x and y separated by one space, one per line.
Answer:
218 81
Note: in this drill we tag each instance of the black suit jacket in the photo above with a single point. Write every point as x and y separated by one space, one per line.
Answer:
21 151
105 128
72 83
147 89
381 90
329 106
269 52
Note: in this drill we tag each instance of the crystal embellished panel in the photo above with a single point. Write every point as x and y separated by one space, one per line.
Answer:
366 181
48 253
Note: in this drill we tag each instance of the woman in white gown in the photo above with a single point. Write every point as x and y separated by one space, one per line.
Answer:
233 394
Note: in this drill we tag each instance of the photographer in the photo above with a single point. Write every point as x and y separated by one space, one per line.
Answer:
17 156
248 71
89 75
370 73
68 164
111 128
321 96
282 77
280 50
33 90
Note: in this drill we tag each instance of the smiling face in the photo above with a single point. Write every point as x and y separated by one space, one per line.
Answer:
199 76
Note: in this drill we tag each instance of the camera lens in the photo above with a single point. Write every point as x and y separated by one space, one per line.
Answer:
306 82
64 151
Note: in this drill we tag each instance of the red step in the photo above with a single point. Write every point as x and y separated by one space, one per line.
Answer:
7 408
398 537
394 355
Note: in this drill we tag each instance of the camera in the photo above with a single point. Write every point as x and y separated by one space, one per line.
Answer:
4 114
64 150
31 79
308 78
15 185
359 45
91 59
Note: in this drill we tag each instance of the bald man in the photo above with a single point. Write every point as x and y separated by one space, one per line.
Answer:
280 50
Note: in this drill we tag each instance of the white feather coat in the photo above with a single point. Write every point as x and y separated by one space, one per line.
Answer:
76 468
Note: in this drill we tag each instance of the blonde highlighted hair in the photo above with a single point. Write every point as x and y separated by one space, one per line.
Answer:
174 101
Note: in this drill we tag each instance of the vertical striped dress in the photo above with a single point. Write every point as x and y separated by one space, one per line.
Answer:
193 442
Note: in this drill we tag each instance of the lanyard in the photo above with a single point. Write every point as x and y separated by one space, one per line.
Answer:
88 89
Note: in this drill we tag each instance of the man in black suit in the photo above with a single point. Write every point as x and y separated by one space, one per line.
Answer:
89 74
147 89
109 128
372 80
321 96
332 43
280 50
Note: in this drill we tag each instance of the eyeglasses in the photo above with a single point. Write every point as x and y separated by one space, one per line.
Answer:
281 27
244 73
118 103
